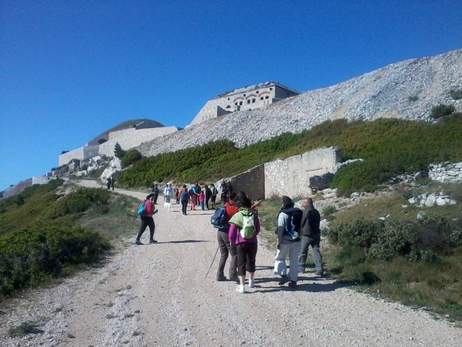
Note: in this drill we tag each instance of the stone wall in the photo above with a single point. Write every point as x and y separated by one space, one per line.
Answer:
291 176
446 173
80 153
252 182
130 138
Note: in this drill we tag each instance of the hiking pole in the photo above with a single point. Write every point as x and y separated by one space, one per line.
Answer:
213 260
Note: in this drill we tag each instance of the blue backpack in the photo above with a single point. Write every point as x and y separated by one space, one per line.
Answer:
141 209
219 219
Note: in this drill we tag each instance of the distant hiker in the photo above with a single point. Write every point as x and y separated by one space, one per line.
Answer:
167 193
202 200
231 209
146 211
177 194
288 231
108 183
155 193
243 230
112 183
193 198
208 195
311 236
184 198
220 220
224 192
213 198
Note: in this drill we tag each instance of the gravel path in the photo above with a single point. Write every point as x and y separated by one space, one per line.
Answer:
156 295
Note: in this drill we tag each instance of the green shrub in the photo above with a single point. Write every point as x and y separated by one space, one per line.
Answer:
389 147
328 211
25 328
442 110
130 157
456 94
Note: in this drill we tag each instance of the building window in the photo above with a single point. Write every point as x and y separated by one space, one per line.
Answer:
248 101
240 103
261 97
271 88
257 91
244 94
253 100
227 106
266 97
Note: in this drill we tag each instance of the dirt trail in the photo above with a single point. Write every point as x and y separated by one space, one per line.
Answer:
156 295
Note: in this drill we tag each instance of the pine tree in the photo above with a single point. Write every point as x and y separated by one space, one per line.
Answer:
118 151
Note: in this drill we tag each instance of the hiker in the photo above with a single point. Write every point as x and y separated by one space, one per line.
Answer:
177 194
184 198
193 197
311 236
226 249
208 195
155 192
112 183
146 212
243 230
288 232
214 196
167 193
224 192
202 199
108 183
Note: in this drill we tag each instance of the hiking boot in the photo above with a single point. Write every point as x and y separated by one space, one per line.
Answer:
138 242
240 289
221 278
292 284
153 241
234 279
284 280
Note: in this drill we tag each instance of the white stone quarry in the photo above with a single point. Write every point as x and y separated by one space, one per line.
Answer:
446 172
114 165
384 93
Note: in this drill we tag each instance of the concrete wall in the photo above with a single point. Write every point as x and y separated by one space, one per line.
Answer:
291 176
252 182
40 179
130 138
80 153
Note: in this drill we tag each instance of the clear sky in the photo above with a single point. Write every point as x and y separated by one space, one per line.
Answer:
71 69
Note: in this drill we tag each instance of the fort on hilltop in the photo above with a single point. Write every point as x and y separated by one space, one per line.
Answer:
128 134
242 99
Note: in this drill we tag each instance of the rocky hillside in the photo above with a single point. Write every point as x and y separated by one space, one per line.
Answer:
405 90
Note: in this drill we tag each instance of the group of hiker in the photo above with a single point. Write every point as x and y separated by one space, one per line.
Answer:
238 225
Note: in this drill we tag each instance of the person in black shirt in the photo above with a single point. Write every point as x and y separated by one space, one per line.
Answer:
311 236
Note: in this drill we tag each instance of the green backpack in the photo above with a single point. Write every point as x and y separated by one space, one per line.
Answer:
245 221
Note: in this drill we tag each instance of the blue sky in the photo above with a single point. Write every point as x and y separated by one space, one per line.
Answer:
71 69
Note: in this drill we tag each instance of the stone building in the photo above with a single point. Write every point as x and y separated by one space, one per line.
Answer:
129 134
241 99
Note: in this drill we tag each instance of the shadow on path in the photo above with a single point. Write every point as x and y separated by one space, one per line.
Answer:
305 287
182 241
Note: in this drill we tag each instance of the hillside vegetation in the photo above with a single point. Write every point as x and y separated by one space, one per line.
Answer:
388 146
41 233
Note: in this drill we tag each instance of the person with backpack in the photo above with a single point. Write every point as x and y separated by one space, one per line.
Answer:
243 230
167 193
214 195
184 199
146 212
108 183
288 232
311 236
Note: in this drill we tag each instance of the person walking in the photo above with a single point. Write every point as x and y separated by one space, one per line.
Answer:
147 219
231 209
177 194
311 236
108 183
214 196
288 231
155 192
243 231
184 198
208 195
193 197
202 199
112 183
167 193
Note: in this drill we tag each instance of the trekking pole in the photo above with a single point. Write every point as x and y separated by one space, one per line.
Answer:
213 260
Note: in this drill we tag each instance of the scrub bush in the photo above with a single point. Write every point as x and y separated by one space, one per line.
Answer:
130 157
442 110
